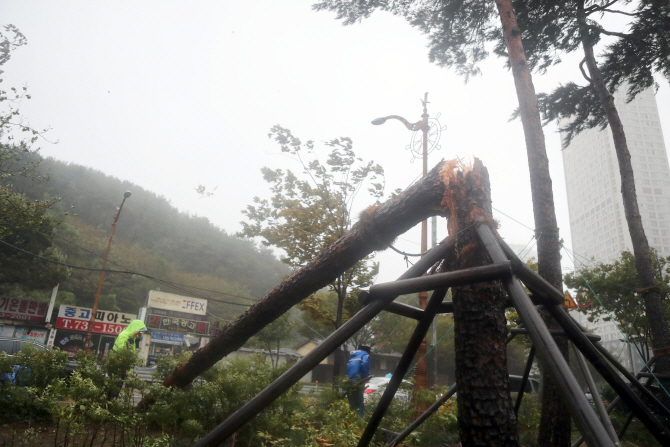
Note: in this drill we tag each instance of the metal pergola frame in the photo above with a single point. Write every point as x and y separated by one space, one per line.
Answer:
509 269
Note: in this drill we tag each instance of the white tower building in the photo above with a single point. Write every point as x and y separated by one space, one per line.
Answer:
597 221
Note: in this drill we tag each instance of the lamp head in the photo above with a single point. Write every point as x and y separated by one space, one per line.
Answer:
126 194
378 121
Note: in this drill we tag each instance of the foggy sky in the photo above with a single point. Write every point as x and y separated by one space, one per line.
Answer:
174 94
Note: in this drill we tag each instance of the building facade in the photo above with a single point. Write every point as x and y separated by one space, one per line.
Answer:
597 220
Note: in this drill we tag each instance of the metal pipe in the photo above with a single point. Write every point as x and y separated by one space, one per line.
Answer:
595 395
313 358
615 403
432 409
403 366
524 380
629 419
587 421
425 415
594 354
555 332
443 280
633 380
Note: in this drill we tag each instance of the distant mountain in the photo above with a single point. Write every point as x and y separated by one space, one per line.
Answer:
152 238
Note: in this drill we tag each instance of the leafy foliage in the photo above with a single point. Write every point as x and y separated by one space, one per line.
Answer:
550 29
305 216
23 223
617 296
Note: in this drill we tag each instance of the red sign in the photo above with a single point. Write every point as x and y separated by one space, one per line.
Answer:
25 310
106 322
82 325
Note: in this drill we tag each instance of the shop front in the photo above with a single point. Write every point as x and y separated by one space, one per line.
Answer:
25 319
176 323
72 327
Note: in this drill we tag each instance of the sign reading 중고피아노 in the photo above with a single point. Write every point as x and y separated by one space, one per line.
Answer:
170 301
106 322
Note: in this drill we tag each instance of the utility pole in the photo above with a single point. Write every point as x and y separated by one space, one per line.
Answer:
91 322
428 131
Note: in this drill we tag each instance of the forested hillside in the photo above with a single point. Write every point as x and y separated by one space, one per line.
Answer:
152 238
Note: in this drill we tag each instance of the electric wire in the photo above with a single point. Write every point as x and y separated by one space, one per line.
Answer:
127 272
166 282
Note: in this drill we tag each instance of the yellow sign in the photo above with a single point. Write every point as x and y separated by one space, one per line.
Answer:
569 302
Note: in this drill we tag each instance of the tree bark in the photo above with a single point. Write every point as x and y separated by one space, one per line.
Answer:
651 293
376 228
337 355
485 409
555 419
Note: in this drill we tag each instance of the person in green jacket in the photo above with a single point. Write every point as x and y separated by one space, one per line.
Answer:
129 334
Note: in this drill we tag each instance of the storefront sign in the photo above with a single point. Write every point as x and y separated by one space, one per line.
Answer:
166 338
26 310
181 325
170 301
106 322
28 333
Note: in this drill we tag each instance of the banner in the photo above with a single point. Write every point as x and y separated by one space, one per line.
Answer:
106 322
170 301
174 324
28 333
167 338
25 310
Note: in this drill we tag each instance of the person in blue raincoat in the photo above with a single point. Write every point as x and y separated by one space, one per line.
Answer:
358 370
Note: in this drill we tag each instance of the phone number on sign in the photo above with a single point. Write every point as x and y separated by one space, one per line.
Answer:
82 325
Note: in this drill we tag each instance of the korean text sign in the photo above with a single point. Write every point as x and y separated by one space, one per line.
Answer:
106 322
170 301
26 310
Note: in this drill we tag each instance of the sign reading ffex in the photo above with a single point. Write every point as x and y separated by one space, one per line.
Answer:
170 301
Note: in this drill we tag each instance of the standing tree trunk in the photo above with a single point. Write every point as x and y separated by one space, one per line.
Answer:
337 355
651 293
485 410
555 419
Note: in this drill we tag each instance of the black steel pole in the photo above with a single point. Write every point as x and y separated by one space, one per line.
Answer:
441 280
432 409
403 366
595 395
617 400
632 379
587 421
592 353
524 380
307 363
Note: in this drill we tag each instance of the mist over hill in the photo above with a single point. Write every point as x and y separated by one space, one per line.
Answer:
152 237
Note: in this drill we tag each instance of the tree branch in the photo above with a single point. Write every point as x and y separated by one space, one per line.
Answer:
610 33
595 8
581 68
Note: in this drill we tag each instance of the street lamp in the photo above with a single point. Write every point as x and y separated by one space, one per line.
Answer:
91 322
430 133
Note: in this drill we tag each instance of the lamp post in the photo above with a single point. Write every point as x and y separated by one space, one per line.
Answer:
425 126
91 322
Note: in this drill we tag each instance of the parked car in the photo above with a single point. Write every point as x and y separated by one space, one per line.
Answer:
12 346
378 384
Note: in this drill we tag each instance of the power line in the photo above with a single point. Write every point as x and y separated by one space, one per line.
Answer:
128 272
167 282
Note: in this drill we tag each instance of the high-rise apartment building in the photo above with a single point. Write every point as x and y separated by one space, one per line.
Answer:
597 221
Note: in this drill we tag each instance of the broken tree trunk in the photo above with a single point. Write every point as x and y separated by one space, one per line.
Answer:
555 419
377 227
485 409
